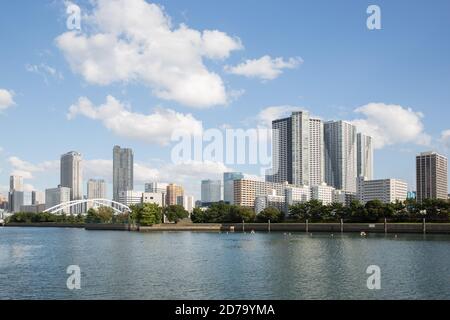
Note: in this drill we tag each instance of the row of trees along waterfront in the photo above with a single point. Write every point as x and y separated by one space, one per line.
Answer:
313 211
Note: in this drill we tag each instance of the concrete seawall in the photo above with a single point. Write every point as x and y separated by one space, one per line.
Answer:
418 228
431 228
46 225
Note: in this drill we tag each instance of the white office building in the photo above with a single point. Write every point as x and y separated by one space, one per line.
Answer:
322 193
96 189
56 196
341 155
158 198
130 197
364 156
386 190
296 195
37 197
270 201
211 191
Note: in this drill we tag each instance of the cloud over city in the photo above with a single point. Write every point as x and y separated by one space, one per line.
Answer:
265 68
135 41
391 124
118 117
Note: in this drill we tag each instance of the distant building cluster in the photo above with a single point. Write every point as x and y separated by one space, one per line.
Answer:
312 160
326 161
70 188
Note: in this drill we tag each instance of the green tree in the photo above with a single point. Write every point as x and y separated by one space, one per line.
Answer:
175 213
239 214
92 216
151 214
199 216
272 214
105 214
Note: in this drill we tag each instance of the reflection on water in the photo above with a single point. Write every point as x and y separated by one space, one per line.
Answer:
123 265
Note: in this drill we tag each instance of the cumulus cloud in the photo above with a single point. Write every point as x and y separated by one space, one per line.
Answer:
134 41
27 169
152 128
264 68
391 124
445 138
6 99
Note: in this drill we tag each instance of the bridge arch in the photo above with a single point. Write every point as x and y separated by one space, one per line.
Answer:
118 207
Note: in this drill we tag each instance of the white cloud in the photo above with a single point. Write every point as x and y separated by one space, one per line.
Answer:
27 169
152 128
445 138
134 41
45 71
391 124
264 68
6 99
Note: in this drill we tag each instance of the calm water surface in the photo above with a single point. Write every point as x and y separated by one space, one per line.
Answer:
123 265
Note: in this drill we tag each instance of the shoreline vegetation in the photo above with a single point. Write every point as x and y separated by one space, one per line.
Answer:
410 211
431 216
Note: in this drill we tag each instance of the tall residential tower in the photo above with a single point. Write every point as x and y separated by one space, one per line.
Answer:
340 155
122 171
298 150
432 176
71 174
364 156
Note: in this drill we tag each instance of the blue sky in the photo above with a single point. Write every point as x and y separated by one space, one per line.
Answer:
329 63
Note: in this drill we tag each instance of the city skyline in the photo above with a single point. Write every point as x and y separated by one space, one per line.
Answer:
47 98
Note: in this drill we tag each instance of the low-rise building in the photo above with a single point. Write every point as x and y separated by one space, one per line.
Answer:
270 201
322 193
246 191
154 197
385 190
296 195
130 197
34 208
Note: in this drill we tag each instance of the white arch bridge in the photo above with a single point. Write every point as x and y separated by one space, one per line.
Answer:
81 205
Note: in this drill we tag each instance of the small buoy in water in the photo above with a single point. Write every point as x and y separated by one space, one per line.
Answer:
363 234
396 236
253 232
332 235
